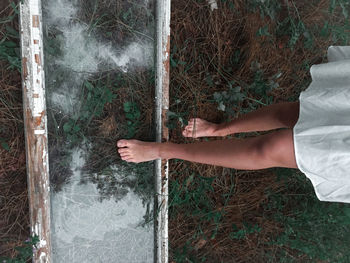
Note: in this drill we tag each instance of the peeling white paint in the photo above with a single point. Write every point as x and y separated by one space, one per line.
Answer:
34 7
42 243
39 132
42 255
162 82
213 4
34 106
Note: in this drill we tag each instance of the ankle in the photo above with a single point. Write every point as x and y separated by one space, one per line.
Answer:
221 130
164 150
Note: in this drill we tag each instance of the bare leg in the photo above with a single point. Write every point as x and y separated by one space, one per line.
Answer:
270 150
279 115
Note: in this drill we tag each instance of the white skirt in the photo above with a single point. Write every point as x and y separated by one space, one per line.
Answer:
322 132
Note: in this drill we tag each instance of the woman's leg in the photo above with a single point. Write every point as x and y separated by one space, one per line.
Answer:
279 115
275 149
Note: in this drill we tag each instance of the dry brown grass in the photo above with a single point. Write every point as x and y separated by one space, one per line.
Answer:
207 40
14 220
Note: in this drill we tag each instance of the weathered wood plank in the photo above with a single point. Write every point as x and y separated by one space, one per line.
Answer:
162 106
35 124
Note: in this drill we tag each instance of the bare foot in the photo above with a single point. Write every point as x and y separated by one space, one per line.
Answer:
138 151
200 128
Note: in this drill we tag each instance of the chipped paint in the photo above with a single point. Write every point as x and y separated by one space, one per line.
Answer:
39 132
162 133
213 4
35 125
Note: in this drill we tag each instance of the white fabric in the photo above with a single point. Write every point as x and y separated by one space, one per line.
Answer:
322 132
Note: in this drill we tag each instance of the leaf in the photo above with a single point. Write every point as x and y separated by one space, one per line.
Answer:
221 106
237 89
189 180
14 7
171 114
89 86
5 146
9 44
67 127
76 128
325 30
209 81
127 106
344 10
217 96
263 31
173 62
130 116
12 32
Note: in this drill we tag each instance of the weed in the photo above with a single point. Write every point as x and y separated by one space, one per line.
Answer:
3 142
97 97
246 230
266 8
132 115
25 252
260 87
174 117
175 62
312 224
9 44
344 4
263 31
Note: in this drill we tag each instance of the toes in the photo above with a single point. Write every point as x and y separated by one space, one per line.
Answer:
123 150
122 143
125 157
189 128
187 133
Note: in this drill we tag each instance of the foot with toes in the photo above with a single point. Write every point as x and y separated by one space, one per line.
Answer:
200 128
138 151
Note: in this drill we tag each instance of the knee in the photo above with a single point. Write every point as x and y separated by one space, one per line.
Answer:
288 114
263 148
270 149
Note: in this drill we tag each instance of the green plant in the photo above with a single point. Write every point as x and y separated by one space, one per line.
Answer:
72 129
132 115
4 144
266 8
263 31
174 117
246 230
344 4
192 198
259 87
230 97
319 230
175 62
96 96
262 86
9 44
25 252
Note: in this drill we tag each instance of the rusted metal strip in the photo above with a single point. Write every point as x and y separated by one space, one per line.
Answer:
162 133
35 125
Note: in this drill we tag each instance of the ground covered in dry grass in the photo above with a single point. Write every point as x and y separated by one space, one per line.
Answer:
265 48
